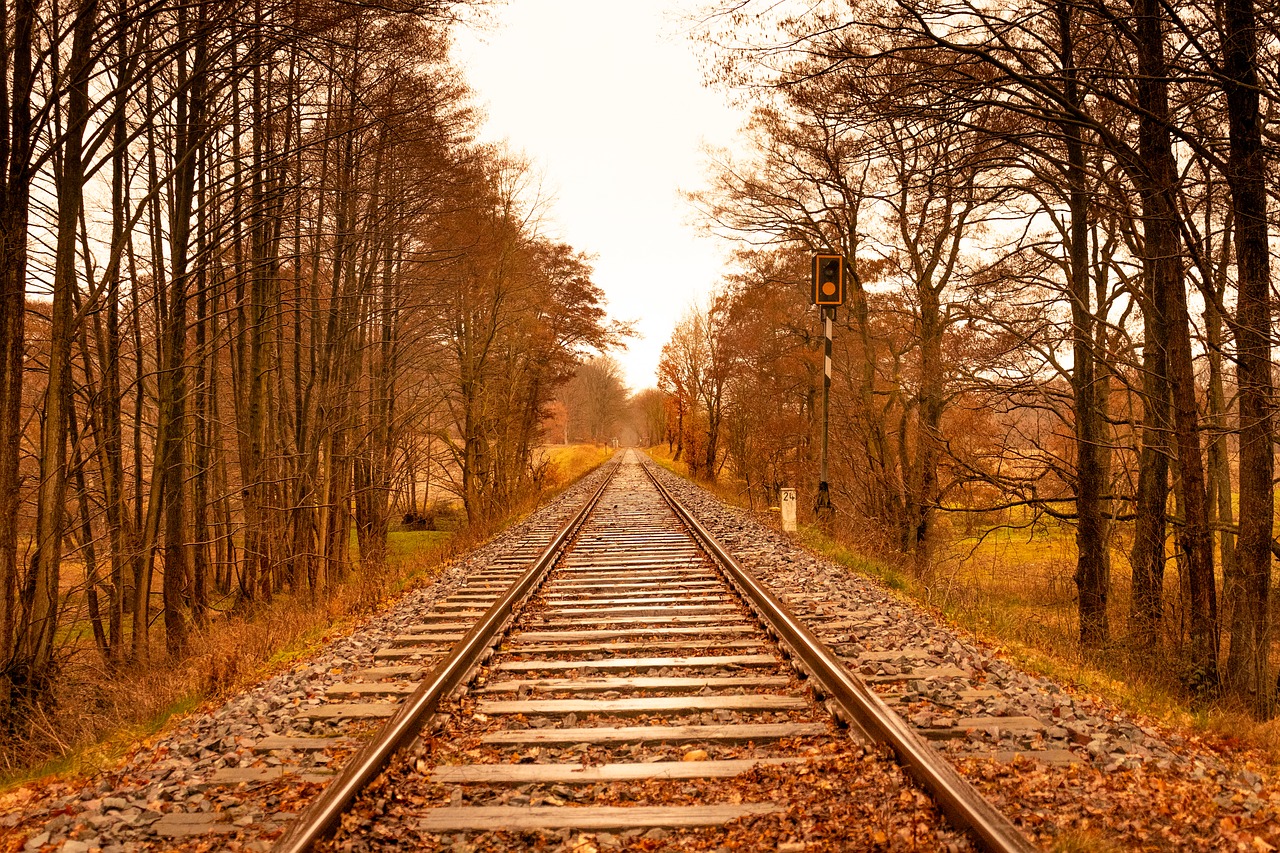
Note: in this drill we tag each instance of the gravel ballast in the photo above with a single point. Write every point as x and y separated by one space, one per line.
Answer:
1062 763
1065 762
162 793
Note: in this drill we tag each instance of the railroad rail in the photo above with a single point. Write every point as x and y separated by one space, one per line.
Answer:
632 650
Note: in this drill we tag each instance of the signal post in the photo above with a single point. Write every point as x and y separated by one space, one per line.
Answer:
828 293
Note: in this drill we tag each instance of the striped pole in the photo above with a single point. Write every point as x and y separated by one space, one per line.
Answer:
822 506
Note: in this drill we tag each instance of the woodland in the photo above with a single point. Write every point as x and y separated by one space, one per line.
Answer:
261 294
264 298
1058 218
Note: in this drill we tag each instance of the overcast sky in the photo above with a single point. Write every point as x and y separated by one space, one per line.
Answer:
606 98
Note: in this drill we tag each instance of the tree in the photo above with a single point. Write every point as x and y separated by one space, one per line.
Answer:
648 412
695 370
250 348
1076 109
595 399
18 164
1248 672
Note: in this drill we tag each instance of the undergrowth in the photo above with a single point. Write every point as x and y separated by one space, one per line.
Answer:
1013 591
96 716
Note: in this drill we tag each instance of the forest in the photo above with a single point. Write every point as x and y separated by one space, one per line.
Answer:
261 290
1058 218
264 296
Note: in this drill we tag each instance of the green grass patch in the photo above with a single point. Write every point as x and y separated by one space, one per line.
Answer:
302 645
402 544
843 554
184 705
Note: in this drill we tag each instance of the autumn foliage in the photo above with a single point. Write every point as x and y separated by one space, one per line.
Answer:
263 294
1059 298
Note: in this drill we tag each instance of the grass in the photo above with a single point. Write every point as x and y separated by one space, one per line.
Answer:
1014 584
839 552
729 491
568 462
405 543
1012 587
1014 590
97 717
87 759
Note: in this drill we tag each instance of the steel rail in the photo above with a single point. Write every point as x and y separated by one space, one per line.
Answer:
319 819
861 707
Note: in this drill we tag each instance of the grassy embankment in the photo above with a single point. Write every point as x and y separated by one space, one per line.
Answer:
98 716
1010 586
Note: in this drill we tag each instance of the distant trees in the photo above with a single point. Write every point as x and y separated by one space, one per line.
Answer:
648 412
1056 248
595 400
771 395
695 370
280 280
512 322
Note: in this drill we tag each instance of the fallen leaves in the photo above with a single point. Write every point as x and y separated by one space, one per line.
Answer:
1146 809
583 844
854 800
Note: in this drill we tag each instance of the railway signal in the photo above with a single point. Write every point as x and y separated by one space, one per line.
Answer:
828 280
828 293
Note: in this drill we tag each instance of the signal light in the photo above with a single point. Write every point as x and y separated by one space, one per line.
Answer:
828 280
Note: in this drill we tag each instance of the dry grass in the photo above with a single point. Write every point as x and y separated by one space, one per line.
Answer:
97 715
568 462
729 490
1012 587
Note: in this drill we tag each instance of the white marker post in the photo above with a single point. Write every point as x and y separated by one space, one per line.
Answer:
787 501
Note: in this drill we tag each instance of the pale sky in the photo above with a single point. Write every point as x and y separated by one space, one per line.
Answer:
606 99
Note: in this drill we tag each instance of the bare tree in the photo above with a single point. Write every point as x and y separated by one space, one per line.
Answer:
595 399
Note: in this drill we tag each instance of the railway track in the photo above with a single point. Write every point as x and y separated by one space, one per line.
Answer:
233 776
630 682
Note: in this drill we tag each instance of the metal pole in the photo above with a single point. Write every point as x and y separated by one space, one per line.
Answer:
822 506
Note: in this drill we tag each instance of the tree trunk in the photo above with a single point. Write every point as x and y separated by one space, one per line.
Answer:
35 646
1150 506
17 138
1248 674
93 601
923 496
172 436
1092 580
110 401
1165 283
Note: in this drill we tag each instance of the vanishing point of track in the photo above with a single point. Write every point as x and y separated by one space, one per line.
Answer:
633 648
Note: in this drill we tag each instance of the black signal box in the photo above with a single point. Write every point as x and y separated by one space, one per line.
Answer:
828 280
